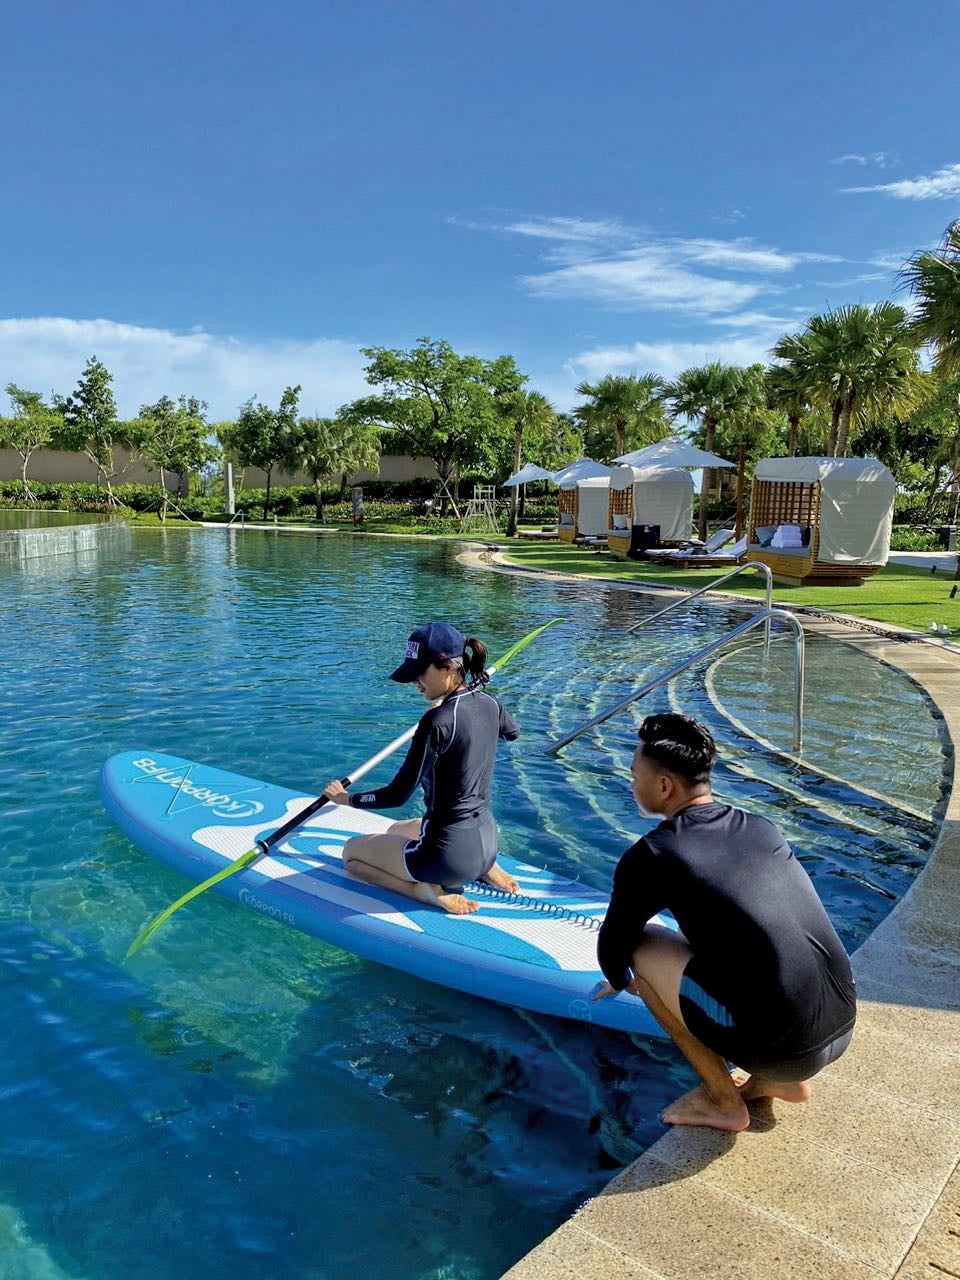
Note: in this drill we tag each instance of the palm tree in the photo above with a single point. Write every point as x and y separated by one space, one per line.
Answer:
709 393
934 278
626 406
789 384
326 447
524 410
862 362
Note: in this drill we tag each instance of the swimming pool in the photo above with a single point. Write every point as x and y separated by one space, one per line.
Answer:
40 518
242 1100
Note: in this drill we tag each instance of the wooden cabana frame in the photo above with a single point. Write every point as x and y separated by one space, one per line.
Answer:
777 499
567 506
652 496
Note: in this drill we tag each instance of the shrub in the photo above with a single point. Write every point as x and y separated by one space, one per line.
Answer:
906 538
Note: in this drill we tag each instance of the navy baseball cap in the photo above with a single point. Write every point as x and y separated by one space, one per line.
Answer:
432 642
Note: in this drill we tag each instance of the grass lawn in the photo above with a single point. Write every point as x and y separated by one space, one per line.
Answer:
899 595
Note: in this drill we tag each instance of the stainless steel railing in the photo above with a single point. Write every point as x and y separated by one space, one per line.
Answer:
759 619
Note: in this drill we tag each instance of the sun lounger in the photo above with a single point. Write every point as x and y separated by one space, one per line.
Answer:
539 535
701 559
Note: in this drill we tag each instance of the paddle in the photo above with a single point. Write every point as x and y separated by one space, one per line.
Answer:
263 847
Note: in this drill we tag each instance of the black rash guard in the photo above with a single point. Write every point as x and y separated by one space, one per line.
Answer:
762 943
451 757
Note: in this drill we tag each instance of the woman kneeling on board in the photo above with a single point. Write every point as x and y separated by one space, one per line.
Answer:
451 757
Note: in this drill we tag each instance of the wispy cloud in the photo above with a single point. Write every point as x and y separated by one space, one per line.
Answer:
666 358
49 353
878 159
942 185
628 268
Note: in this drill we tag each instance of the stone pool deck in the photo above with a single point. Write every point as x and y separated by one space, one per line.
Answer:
863 1183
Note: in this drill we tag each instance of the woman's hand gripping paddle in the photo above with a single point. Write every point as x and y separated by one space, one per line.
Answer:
263 847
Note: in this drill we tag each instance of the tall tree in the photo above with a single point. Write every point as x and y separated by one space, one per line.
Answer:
174 438
261 435
438 404
328 447
621 413
934 278
90 422
863 362
31 426
707 394
523 411
790 385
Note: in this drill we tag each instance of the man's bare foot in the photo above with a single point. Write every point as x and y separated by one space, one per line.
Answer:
697 1108
500 880
755 1087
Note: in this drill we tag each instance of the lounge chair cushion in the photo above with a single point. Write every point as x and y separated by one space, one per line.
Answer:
765 534
620 522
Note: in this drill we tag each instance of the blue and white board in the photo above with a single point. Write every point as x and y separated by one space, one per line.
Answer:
535 950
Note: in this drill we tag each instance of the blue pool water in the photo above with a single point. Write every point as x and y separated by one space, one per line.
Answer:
38 518
241 1100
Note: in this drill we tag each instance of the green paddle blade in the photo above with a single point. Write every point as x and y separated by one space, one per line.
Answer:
522 644
157 921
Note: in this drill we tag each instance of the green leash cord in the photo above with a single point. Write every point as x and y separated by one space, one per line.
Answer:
263 847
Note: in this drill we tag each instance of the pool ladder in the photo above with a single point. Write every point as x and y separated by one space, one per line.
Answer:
762 618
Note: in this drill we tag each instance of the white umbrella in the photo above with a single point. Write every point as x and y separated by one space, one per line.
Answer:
581 469
530 472
672 452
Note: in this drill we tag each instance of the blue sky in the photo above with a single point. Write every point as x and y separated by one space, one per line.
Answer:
219 199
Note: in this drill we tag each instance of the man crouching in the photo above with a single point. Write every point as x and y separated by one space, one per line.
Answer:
757 975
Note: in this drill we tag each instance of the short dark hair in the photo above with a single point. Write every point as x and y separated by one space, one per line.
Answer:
680 745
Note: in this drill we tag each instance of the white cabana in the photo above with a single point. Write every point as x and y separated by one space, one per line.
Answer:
673 452
526 474
593 500
649 496
579 469
826 518
569 479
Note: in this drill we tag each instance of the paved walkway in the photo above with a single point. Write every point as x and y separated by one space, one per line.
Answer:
864 1182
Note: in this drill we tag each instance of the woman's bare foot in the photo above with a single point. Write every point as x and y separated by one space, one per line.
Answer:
454 903
755 1087
697 1108
500 880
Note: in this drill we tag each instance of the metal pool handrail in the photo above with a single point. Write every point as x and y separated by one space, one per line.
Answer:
758 619
750 564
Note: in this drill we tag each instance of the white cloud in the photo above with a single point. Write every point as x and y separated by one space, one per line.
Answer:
629 269
642 278
49 353
879 159
942 185
668 358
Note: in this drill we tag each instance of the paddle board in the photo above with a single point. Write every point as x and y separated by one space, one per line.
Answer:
535 950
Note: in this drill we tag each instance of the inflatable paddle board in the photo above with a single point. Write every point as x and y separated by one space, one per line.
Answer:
535 949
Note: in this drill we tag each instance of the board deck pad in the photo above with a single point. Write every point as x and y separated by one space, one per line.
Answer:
535 949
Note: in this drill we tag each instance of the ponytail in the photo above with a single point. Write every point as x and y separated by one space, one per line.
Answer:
475 662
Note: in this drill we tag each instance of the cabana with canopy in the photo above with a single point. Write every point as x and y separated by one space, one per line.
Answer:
661 496
821 520
593 502
568 479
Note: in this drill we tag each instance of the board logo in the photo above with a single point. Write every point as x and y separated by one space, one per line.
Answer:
250 899
219 803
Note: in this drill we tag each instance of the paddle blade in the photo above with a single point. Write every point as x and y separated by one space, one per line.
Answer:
522 644
149 929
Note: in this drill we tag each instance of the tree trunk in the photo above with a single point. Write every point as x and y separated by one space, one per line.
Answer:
708 427
794 432
515 495
318 498
443 472
619 432
843 426
266 501
163 497
836 410
342 495
523 502
27 491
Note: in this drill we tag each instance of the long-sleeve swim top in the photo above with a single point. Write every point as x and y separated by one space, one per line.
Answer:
763 945
451 757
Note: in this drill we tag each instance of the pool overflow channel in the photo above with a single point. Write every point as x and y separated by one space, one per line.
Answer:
762 618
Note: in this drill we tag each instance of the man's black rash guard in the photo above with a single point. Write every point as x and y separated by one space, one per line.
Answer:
762 943
451 757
